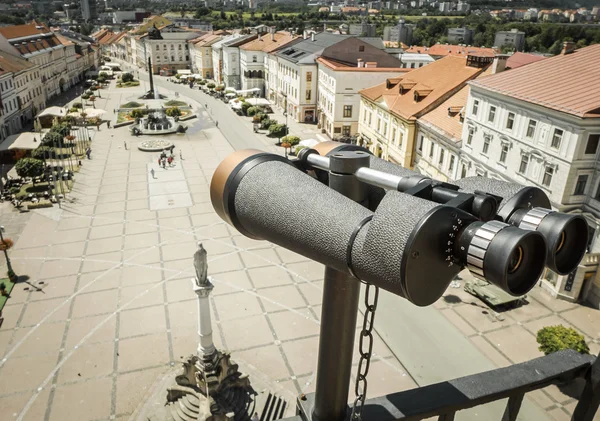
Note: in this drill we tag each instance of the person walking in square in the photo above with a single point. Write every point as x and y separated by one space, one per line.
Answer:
88 152
125 144
152 172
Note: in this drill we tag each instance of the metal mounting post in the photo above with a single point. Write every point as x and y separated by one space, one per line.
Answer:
340 306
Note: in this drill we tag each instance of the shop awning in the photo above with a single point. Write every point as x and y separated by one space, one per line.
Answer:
258 101
53 112
184 72
22 141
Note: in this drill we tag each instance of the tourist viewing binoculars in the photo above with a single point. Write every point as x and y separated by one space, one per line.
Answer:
393 227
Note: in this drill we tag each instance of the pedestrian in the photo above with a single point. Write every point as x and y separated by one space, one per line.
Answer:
255 417
159 161
180 155
108 123
217 123
88 152
170 161
172 148
152 172
98 126
125 144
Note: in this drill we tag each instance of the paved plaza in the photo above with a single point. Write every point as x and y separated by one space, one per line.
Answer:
107 307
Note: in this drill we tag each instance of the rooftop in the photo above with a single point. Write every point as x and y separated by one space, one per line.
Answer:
14 64
307 50
411 95
21 31
268 43
452 50
159 21
544 83
344 67
447 117
521 59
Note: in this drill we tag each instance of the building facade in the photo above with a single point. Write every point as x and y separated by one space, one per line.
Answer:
460 35
201 54
545 135
402 32
513 38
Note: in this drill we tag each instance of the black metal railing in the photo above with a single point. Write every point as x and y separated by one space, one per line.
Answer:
445 399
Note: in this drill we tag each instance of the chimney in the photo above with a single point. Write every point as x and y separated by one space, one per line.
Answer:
312 36
371 64
305 34
360 62
272 34
499 63
568 48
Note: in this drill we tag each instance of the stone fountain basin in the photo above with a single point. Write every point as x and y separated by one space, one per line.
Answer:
154 145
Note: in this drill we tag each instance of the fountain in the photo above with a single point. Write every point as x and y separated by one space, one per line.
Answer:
156 122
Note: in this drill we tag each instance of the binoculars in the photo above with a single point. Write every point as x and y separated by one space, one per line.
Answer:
392 227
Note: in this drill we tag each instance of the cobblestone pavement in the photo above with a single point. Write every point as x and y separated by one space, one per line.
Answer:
109 306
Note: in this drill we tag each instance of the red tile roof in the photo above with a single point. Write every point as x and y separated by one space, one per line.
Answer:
568 83
20 31
10 63
433 83
344 67
521 59
444 50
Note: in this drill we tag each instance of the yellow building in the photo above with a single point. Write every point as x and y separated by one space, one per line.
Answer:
389 111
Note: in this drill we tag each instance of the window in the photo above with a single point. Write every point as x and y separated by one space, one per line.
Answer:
580 185
503 153
364 116
254 59
370 115
378 124
463 171
475 107
451 164
308 94
337 129
346 130
486 144
394 135
556 139
157 48
531 128
385 128
179 46
309 76
431 150
510 121
592 144
420 144
548 176
524 164
361 48
441 160
492 114
470 136
347 110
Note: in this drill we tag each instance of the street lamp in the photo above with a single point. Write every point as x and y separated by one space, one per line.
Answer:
11 272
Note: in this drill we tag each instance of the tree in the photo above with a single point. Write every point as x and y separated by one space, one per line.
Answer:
173 112
202 11
30 167
277 130
127 77
291 139
245 107
222 15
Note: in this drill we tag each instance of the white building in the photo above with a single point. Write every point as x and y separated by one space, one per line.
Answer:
202 54
9 113
340 81
295 77
253 58
37 44
27 87
415 60
226 59
544 134
513 38
168 48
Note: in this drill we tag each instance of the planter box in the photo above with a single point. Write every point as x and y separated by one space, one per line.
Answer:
187 117
124 123
39 205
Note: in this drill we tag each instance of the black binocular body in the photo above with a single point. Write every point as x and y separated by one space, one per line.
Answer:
411 235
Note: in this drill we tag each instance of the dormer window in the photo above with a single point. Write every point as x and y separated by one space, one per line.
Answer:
361 48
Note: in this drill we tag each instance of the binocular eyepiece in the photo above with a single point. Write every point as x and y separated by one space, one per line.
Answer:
529 208
409 245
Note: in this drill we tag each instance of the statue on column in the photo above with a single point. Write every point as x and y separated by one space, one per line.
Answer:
201 266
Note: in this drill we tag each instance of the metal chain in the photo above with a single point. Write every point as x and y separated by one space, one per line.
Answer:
365 350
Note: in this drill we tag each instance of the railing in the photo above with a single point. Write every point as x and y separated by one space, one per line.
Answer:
444 400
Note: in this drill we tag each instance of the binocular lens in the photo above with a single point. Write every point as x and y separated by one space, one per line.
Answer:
566 236
515 260
510 258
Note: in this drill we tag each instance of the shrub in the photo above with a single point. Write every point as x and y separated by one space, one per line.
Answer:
85 96
251 111
131 104
291 139
173 112
73 110
256 118
202 82
210 85
77 105
93 88
299 148
43 153
245 107
127 77
52 139
29 167
277 130
219 88
556 338
266 123
136 113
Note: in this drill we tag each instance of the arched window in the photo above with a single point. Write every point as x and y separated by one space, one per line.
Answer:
259 74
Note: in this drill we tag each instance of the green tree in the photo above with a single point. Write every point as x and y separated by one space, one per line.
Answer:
173 112
291 139
29 167
245 107
127 77
202 11
277 130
